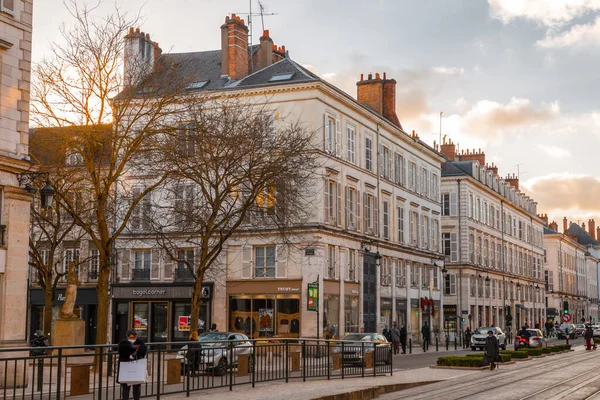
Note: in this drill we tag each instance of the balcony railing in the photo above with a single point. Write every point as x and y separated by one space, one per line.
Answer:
92 275
140 274
183 274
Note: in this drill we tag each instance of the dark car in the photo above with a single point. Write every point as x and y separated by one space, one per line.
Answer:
355 346
567 330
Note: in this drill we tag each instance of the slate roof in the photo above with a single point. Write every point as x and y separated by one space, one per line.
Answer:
582 236
548 231
457 168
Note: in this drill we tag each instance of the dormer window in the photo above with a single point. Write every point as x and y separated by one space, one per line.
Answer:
197 85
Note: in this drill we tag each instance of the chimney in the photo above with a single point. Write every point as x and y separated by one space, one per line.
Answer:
565 226
513 180
478 156
139 56
234 50
592 228
544 217
448 148
494 169
265 52
554 226
598 233
380 95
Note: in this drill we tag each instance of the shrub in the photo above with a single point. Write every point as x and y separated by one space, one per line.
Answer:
456 361
546 350
507 356
515 354
532 352
597 340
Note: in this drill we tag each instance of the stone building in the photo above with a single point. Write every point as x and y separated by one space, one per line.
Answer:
372 243
493 245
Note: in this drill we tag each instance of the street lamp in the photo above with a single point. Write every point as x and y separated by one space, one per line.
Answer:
27 179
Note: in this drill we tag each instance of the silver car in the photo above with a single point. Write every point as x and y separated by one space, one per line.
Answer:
215 352
536 338
478 338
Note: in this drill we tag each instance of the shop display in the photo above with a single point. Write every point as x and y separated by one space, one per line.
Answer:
265 317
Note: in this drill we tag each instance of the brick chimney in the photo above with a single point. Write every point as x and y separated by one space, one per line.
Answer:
139 56
554 226
448 148
478 156
598 233
544 217
380 95
265 52
592 228
234 48
565 224
493 168
513 180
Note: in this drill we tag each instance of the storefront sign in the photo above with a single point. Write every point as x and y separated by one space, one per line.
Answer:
184 323
160 292
288 289
386 304
355 291
449 310
148 292
400 304
313 297
61 297
85 296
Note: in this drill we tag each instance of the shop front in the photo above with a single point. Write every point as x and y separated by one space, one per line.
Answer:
451 321
401 311
351 305
86 308
264 309
158 313
385 313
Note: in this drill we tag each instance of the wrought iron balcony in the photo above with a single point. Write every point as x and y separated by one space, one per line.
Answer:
92 275
141 274
183 274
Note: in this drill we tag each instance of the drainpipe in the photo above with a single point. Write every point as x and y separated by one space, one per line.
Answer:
460 289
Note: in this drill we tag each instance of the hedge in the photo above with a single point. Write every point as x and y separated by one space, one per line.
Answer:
597 340
505 356
515 354
456 361
532 351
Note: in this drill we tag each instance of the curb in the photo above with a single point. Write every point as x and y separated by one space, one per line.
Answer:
374 392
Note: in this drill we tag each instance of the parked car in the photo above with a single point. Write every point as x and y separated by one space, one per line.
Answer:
596 329
478 338
216 351
536 339
580 329
566 330
355 343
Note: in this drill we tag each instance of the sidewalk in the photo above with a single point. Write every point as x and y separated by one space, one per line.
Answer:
320 388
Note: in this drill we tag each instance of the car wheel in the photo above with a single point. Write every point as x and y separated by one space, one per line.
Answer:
221 368
473 348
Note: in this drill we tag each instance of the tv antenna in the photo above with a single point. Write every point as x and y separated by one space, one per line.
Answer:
519 171
250 14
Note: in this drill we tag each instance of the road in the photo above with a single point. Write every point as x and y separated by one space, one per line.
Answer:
574 376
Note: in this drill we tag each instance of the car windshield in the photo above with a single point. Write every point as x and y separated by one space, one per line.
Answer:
484 331
533 332
358 337
580 326
213 337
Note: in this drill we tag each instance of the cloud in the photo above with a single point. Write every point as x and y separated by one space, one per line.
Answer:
452 71
489 117
578 36
545 12
555 152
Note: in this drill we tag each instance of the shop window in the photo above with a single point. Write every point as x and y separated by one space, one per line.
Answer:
140 319
265 316
331 312
351 313
264 261
287 323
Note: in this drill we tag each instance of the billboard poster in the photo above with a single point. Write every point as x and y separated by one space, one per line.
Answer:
184 323
313 297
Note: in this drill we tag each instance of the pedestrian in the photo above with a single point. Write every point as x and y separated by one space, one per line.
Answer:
426 333
387 334
492 349
403 336
395 333
193 354
131 348
589 337
213 328
468 336
548 327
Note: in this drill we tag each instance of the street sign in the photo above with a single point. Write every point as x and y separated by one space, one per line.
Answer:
566 317
313 297
465 312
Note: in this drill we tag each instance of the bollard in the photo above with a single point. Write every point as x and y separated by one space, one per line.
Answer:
447 342
410 346
455 343
436 344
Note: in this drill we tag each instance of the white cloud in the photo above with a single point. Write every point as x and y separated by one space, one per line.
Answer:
546 12
453 71
555 152
577 36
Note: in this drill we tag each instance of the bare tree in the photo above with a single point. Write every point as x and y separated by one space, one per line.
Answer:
106 128
238 169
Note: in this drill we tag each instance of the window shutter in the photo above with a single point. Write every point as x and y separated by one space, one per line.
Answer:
246 262
357 216
155 264
452 285
281 264
390 166
326 220
339 204
343 265
346 208
8 6
338 138
365 225
125 267
453 247
376 215
380 159
324 132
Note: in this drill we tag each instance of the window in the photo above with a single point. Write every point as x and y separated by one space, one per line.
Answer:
94 265
351 208
185 259
446 204
472 286
435 274
264 261
471 209
450 285
480 286
369 153
424 182
400 274
434 187
187 142
414 275
386 219
426 277
399 169
426 231
8 7
184 201
199 85
331 262
485 252
142 262
141 215
281 77
384 162
478 210
350 143
371 214
331 142
472 248
412 176
332 202
386 272
352 265
68 256
435 236
414 228
446 244
74 159
400 215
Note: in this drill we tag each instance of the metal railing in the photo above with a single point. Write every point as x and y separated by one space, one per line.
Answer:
183 274
140 274
59 372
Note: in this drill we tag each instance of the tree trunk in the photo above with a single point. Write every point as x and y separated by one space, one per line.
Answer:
48 304
196 303
103 305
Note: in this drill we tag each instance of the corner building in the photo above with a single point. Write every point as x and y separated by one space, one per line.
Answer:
372 242
493 247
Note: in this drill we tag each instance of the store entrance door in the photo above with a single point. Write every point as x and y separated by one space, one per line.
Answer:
369 293
121 322
159 324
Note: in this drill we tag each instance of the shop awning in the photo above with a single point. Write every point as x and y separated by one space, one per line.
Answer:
522 307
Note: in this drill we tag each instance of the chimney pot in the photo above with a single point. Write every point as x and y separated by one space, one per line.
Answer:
362 77
377 75
131 30
137 30
266 32
384 76
370 76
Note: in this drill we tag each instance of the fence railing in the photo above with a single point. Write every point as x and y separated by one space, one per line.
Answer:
59 372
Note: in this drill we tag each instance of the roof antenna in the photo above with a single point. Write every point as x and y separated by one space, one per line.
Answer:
250 14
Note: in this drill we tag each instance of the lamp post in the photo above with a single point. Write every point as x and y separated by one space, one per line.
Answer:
28 180
487 291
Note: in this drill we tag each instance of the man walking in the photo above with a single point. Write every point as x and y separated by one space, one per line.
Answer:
589 337
426 333
403 338
395 334
492 349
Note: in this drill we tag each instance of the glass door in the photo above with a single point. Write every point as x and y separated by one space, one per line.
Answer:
160 322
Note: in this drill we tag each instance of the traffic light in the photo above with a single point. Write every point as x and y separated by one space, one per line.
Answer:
565 307
463 319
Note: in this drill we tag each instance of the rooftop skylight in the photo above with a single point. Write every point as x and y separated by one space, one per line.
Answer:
281 77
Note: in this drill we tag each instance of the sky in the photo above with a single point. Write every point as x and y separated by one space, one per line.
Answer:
517 78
